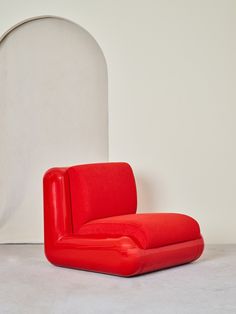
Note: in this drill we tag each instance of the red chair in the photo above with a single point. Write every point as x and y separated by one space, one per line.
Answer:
90 223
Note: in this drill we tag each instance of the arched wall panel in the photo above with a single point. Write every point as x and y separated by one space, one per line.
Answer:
53 112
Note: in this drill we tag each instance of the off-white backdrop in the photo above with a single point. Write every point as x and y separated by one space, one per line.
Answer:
171 69
53 112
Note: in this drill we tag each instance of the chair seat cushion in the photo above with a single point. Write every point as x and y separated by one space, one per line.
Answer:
147 230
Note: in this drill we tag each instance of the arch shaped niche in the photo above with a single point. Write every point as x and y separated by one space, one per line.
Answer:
53 112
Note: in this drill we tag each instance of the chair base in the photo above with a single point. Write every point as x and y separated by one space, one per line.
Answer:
120 256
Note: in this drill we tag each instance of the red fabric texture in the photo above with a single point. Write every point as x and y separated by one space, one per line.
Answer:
148 230
101 190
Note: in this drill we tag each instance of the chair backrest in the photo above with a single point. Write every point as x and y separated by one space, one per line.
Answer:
101 190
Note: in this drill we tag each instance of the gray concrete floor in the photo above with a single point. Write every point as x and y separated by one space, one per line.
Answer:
29 284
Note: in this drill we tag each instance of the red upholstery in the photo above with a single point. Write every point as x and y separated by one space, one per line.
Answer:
90 223
148 230
101 190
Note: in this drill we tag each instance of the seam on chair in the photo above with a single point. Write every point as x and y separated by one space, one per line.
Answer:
67 177
111 233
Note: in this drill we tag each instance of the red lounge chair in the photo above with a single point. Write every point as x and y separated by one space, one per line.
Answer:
90 223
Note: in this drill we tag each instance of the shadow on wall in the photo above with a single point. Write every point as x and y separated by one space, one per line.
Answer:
146 194
9 203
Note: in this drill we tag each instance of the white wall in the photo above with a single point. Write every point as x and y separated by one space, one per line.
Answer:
171 68
53 112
